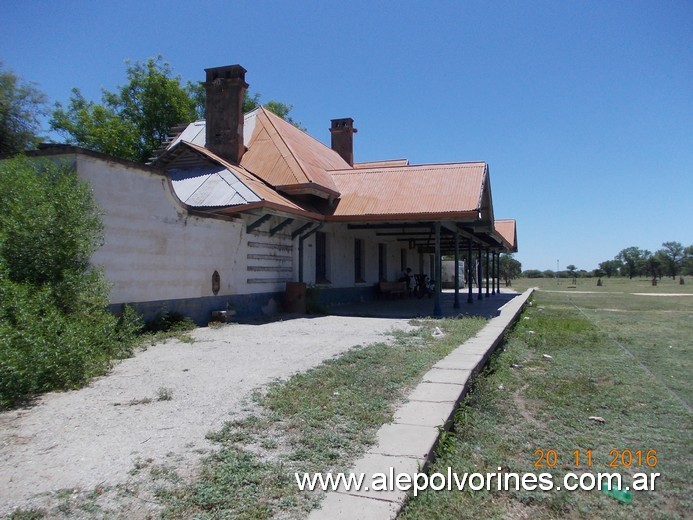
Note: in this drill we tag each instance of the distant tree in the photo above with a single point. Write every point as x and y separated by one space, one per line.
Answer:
599 273
532 273
630 257
510 268
687 261
133 121
571 269
21 106
651 264
672 254
549 274
610 267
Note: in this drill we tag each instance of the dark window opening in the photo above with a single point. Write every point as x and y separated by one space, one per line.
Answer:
359 261
321 258
382 262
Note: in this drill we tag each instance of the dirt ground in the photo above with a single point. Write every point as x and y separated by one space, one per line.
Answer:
95 440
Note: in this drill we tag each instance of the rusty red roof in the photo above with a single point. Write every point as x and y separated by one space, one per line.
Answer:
506 230
455 190
288 158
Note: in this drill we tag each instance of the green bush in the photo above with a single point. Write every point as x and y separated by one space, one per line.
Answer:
55 331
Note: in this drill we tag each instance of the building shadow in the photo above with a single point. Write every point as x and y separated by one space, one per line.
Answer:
410 307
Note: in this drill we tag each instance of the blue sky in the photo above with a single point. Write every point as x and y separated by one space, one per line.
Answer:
583 110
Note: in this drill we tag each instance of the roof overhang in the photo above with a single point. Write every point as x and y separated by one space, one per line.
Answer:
310 188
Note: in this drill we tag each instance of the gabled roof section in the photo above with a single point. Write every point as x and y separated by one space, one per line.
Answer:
210 186
203 180
506 230
288 158
455 191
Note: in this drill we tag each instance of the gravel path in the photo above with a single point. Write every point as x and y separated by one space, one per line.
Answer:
93 437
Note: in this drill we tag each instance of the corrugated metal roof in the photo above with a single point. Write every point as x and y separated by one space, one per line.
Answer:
284 156
254 185
193 133
507 230
410 190
210 186
278 152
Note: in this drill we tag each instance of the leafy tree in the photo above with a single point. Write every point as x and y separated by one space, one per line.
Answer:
672 254
610 267
630 257
510 268
132 122
571 269
687 262
55 331
651 264
21 106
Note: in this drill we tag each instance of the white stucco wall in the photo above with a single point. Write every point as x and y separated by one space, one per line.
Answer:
155 250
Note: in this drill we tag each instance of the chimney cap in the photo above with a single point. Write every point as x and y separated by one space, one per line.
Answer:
343 124
226 72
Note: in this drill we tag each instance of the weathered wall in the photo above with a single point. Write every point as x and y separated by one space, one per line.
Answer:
154 251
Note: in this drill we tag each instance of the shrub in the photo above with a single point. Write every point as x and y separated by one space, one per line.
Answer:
55 331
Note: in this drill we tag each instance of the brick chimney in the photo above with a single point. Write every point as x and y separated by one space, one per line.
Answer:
225 88
343 131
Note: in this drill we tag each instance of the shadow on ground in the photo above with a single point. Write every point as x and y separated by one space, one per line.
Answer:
407 308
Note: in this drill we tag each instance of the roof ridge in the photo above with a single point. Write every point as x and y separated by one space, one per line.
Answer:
300 161
377 169
304 133
293 153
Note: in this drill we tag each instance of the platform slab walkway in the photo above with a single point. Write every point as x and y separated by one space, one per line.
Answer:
407 444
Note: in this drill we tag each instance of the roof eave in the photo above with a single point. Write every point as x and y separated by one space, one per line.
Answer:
270 207
469 217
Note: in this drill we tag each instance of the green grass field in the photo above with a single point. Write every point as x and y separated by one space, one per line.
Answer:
615 354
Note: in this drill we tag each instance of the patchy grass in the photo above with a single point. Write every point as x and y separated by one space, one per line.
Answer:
164 394
320 420
609 285
167 326
622 357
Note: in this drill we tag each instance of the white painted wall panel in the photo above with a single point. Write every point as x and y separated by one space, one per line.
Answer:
154 250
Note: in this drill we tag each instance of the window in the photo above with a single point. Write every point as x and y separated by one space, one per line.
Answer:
359 261
382 262
321 258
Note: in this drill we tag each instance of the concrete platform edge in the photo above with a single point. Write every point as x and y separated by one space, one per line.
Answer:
368 507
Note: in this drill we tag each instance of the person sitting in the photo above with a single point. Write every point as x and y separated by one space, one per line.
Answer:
408 277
